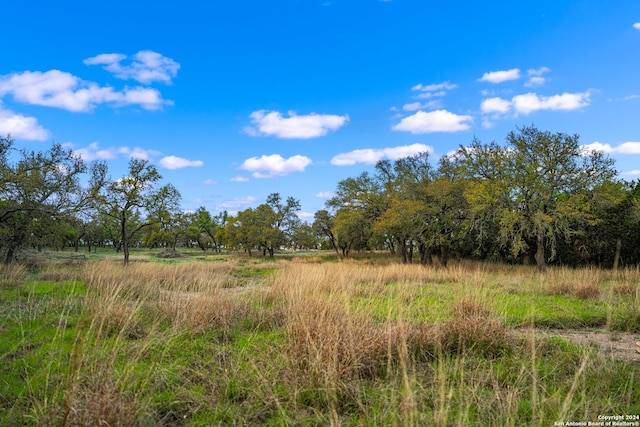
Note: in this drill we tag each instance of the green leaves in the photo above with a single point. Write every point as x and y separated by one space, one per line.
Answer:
40 187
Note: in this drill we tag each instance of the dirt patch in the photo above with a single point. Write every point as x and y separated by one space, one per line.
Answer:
168 253
614 345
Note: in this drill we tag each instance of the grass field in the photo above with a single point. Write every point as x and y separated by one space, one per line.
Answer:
213 339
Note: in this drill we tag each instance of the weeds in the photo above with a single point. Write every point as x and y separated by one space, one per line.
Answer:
357 342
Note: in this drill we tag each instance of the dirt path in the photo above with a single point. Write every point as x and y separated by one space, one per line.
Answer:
614 345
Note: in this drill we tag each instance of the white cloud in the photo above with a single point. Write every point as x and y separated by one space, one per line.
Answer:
434 87
272 123
233 205
427 95
535 81
624 148
146 66
275 165
21 127
629 148
209 182
366 155
500 76
531 102
636 25
306 216
535 76
55 88
632 172
414 106
325 194
487 124
373 155
538 71
434 121
495 108
138 153
93 152
173 162
495 105
432 90
240 179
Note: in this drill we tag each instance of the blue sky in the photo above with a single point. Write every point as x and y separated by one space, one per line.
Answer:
234 100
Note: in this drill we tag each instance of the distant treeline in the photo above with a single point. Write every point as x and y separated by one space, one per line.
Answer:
541 198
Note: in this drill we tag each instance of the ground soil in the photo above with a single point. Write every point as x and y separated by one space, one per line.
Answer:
614 345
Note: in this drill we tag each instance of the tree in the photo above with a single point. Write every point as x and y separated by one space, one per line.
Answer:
358 203
135 202
352 230
278 222
40 187
324 225
303 237
613 229
483 184
208 227
540 194
268 226
243 231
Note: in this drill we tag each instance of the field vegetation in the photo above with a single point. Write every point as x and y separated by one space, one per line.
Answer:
313 339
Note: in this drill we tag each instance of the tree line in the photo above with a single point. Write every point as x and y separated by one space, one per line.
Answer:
541 199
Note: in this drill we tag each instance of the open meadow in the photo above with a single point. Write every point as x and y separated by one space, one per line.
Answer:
310 339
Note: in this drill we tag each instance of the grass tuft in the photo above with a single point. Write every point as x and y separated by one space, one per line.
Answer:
473 328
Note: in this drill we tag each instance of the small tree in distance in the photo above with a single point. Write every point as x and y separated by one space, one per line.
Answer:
135 202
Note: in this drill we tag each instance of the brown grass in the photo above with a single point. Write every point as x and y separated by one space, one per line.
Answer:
334 344
473 328
57 273
100 403
582 291
329 348
199 312
624 289
12 275
331 345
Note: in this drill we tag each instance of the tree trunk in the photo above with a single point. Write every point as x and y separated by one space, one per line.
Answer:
403 250
540 258
425 254
125 239
9 259
444 255
616 257
333 244
125 251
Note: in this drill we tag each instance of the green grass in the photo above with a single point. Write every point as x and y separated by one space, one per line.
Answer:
144 368
551 311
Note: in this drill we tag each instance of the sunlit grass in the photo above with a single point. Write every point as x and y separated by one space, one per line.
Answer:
222 340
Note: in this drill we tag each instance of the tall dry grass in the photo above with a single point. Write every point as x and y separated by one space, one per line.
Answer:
126 308
336 360
333 344
12 275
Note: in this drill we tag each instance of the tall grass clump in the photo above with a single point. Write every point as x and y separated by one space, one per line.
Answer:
12 275
473 328
586 283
